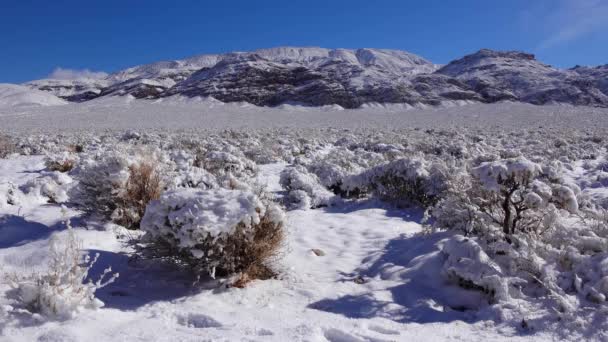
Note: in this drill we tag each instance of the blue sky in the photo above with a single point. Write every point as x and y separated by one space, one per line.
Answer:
37 37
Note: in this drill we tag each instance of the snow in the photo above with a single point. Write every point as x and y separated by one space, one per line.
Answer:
351 269
178 113
12 95
367 285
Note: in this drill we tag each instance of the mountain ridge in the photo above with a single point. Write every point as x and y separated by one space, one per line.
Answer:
347 77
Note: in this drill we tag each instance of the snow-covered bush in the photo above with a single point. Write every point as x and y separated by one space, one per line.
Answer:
53 187
222 163
192 177
9 194
303 189
119 186
468 265
507 195
62 162
404 181
337 164
62 290
102 180
219 232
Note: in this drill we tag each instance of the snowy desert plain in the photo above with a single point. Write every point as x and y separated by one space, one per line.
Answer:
193 220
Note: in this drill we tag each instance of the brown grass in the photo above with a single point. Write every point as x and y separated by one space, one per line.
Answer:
6 146
61 166
144 185
255 254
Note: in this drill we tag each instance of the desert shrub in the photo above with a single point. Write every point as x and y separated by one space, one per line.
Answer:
403 182
9 194
506 194
62 290
52 187
119 187
101 181
143 185
61 166
62 162
223 163
218 232
303 189
7 146
525 237
469 266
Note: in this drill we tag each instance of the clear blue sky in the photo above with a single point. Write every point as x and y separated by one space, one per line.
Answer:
39 36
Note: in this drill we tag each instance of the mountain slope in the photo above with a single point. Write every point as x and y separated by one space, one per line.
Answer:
12 95
513 75
349 78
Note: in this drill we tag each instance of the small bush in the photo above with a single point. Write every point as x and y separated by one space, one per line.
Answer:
60 165
54 187
118 187
62 291
218 232
304 190
143 185
403 182
7 146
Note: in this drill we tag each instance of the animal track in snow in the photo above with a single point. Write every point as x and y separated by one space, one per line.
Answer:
200 321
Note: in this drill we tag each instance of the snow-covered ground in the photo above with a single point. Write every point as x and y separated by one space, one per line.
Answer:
16 96
348 292
386 234
121 113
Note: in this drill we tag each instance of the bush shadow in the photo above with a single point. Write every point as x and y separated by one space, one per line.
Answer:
421 295
142 282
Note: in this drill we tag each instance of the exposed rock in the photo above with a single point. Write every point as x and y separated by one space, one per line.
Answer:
349 78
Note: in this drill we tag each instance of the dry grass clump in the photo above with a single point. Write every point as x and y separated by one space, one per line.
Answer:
255 254
60 165
7 146
144 185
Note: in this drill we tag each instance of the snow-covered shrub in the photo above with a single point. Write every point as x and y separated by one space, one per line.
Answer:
303 189
404 181
62 162
9 194
192 177
62 290
218 231
102 180
223 163
507 194
468 265
119 186
53 186
337 164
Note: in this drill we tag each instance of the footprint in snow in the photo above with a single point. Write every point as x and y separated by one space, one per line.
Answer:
383 330
198 321
336 335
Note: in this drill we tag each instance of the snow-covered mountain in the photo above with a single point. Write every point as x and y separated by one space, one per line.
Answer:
12 95
519 76
349 78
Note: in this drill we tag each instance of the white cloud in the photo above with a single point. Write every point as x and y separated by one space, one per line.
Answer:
568 20
73 74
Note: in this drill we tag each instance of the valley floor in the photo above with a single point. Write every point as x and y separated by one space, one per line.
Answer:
364 281
122 113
